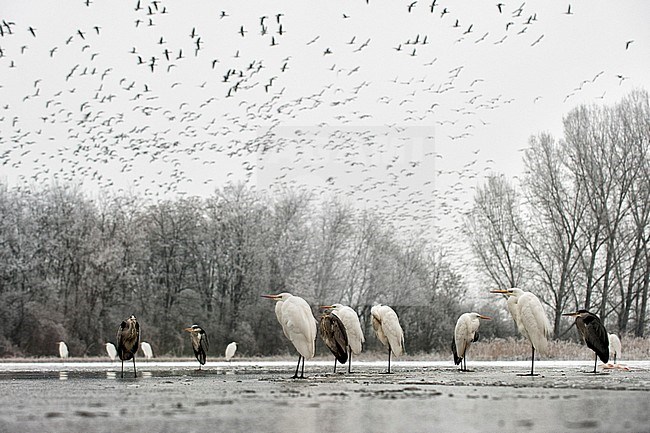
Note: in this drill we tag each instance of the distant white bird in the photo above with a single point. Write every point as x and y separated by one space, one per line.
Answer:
386 325
146 349
614 346
230 350
528 313
63 350
353 329
111 351
298 324
464 334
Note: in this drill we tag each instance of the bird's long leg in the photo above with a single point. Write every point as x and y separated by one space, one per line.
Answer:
614 357
334 365
295 376
122 374
389 359
135 374
349 359
302 372
595 362
532 364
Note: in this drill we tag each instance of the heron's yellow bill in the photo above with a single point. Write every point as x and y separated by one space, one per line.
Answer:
484 317
274 297
326 307
501 291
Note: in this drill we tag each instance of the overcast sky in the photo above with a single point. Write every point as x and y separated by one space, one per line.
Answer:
398 106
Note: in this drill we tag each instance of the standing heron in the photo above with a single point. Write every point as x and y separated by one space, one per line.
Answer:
111 351
386 325
353 329
593 333
200 343
146 349
614 346
298 325
63 350
332 331
230 350
128 341
528 313
464 334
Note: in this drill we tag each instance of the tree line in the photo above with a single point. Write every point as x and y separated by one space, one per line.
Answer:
72 267
576 228
574 231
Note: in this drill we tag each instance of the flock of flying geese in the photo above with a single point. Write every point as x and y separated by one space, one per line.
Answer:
340 329
169 102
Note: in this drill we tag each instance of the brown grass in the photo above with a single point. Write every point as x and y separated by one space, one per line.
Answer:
498 349
511 349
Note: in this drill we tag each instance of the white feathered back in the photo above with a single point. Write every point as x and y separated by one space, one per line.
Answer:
298 323
531 320
352 326
386 325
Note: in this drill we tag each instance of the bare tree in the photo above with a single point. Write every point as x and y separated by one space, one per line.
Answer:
491 229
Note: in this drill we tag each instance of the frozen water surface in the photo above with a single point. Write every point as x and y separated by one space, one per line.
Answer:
260 396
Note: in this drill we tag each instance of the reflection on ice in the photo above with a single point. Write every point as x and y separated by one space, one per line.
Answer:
163 368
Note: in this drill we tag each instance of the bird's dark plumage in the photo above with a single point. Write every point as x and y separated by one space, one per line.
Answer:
594 334
128 341
200 343
334 335
457 359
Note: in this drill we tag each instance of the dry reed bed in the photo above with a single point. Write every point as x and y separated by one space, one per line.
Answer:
498 349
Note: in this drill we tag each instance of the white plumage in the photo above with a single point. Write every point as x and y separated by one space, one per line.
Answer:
298 324
63 350
352 325
111 351
464 334
614 346
146 349
230 350
388 329
528 313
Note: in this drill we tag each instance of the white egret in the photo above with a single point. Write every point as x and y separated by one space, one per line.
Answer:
230 350
200 343
146 349
332 331
614 346
464 334
386 325
593 333
111 351
353 329
298 324
528 313
128 341
63 350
